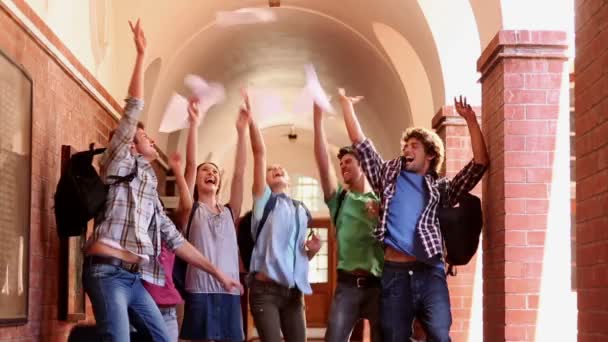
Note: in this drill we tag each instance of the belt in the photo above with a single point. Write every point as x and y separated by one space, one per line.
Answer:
360 281
108 260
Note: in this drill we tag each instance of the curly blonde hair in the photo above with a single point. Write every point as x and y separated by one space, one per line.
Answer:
433 145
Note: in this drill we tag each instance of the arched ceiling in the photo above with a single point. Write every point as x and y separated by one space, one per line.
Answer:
338 37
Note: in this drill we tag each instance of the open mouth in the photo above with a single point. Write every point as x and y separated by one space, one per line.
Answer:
210 180
409 159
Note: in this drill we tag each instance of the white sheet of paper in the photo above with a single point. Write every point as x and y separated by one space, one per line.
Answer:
209 94
312 92
265 103
317 92
176 115
244 16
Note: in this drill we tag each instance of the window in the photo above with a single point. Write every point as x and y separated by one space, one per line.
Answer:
307 190
318 268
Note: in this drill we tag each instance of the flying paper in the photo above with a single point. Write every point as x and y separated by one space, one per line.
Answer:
312 92
176 113
244 16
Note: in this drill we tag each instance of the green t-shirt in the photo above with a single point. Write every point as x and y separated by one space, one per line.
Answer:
357 247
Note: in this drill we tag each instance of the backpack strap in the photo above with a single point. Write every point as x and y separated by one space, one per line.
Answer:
297 204
192 211
95 151
443 193
340 200
272 202
444 203
124 179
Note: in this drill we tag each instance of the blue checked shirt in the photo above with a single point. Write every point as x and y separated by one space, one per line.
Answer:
382 176
134 217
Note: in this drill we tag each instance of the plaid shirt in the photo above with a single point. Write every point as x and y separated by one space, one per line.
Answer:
134 217
382 176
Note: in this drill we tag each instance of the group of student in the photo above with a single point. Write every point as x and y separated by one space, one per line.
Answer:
390 264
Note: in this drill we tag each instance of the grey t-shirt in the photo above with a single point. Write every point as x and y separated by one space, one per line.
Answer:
214 236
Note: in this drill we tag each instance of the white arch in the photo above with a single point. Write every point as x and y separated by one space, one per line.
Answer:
411 72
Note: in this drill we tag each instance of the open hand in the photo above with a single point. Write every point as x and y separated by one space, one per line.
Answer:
464 109
138 37
352 99
194 115
242 121
175 162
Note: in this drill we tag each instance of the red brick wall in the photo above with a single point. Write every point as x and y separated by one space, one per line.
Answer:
591 122
521 79
63 113
453 131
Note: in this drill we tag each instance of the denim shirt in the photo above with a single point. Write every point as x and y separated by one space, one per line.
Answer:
279 253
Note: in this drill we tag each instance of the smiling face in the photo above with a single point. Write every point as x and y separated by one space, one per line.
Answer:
208 178
277 177
416 158
144 145
350 169
422 151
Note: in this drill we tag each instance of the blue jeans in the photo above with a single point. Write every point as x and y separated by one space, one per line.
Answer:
116 296
350 304
410 290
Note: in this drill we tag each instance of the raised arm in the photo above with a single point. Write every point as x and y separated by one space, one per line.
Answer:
136 87
466 179
370 159
326 171
191 144
237 184
185 197
355 133
119 145
480 152
259 154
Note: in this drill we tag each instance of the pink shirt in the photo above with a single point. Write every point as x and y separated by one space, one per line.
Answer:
165 295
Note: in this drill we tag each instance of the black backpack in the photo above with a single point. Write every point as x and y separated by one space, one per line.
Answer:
81 194
245 241
460 227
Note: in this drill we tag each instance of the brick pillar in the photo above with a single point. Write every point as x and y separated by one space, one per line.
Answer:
453 130
591 121
521 76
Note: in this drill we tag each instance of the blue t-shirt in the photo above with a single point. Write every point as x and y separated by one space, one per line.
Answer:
280 253
404 210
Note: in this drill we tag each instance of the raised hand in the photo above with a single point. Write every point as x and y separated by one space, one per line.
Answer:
194 115
242 121
464 109
352 99
138 37
245 97
175 162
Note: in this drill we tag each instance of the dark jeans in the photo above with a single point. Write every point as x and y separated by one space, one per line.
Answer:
411 290
277 309
350 304
119 299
